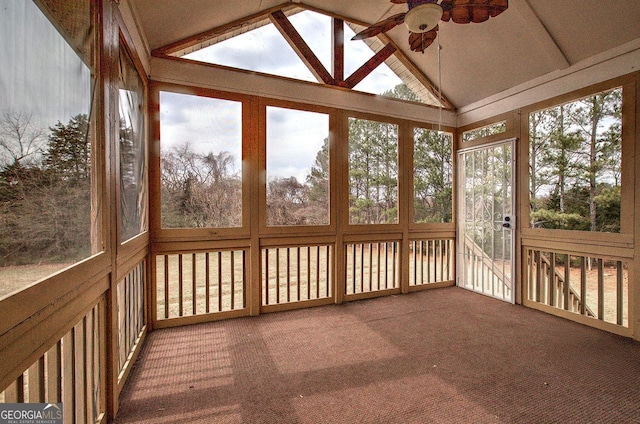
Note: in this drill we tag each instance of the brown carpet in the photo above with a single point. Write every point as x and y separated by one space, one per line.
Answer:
440 356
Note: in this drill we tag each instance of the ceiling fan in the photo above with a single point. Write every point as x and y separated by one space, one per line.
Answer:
423 16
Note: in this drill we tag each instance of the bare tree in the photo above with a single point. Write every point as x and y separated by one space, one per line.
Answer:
20 139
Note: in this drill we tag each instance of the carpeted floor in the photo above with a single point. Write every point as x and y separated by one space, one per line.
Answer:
440 356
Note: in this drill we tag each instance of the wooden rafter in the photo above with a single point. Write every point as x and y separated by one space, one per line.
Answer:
337 40
301 48
369 66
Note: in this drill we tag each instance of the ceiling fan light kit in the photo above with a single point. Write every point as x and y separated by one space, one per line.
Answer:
423 17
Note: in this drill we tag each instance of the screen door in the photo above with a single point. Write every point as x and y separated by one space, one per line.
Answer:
486 219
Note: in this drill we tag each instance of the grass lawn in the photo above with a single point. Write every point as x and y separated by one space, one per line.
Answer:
14 278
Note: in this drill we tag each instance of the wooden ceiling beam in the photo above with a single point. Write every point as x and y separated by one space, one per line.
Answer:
337 41
369 66
301 48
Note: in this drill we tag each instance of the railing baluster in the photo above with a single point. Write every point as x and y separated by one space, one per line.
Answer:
232 274
220 282
166 286
600 289
567 284
429 260
36 381
88 363
277 275
317 272
299 263
180 295
552 278
80 367
393 266
288 275
619 293
386 265
326 271
266 276
441 259
194 288
308 272
361 246
54 376
538 259
583 285
244 278
207 283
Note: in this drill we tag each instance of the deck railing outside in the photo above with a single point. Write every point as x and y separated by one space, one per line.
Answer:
430 261
131 315
590 286
372 267
296 273
199 283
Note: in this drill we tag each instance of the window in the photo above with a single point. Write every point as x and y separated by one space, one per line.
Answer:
262 49
432 176
133 180
46 140
575 152
486 131
297 167
200 161
373 172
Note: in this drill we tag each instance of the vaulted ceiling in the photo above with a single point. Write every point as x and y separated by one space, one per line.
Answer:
529 40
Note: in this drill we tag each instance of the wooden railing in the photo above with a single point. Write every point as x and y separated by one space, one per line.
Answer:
70 372
292 274
131 315
554 286
593 287
430 262
200 283
372 267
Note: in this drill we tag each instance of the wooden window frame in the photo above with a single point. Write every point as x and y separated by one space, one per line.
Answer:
161 234
614 244
292 230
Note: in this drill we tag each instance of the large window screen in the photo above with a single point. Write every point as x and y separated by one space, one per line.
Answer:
432 176
297 167
133 181
373 172
575 152
201 161
46 189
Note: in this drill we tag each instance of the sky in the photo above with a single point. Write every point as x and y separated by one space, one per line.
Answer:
40 74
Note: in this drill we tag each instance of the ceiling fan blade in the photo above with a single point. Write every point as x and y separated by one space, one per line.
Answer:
467 11
380 27
418 42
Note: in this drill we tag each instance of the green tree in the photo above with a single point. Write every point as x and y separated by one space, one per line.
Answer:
402 92
432 176
69 150
373 178
199 189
